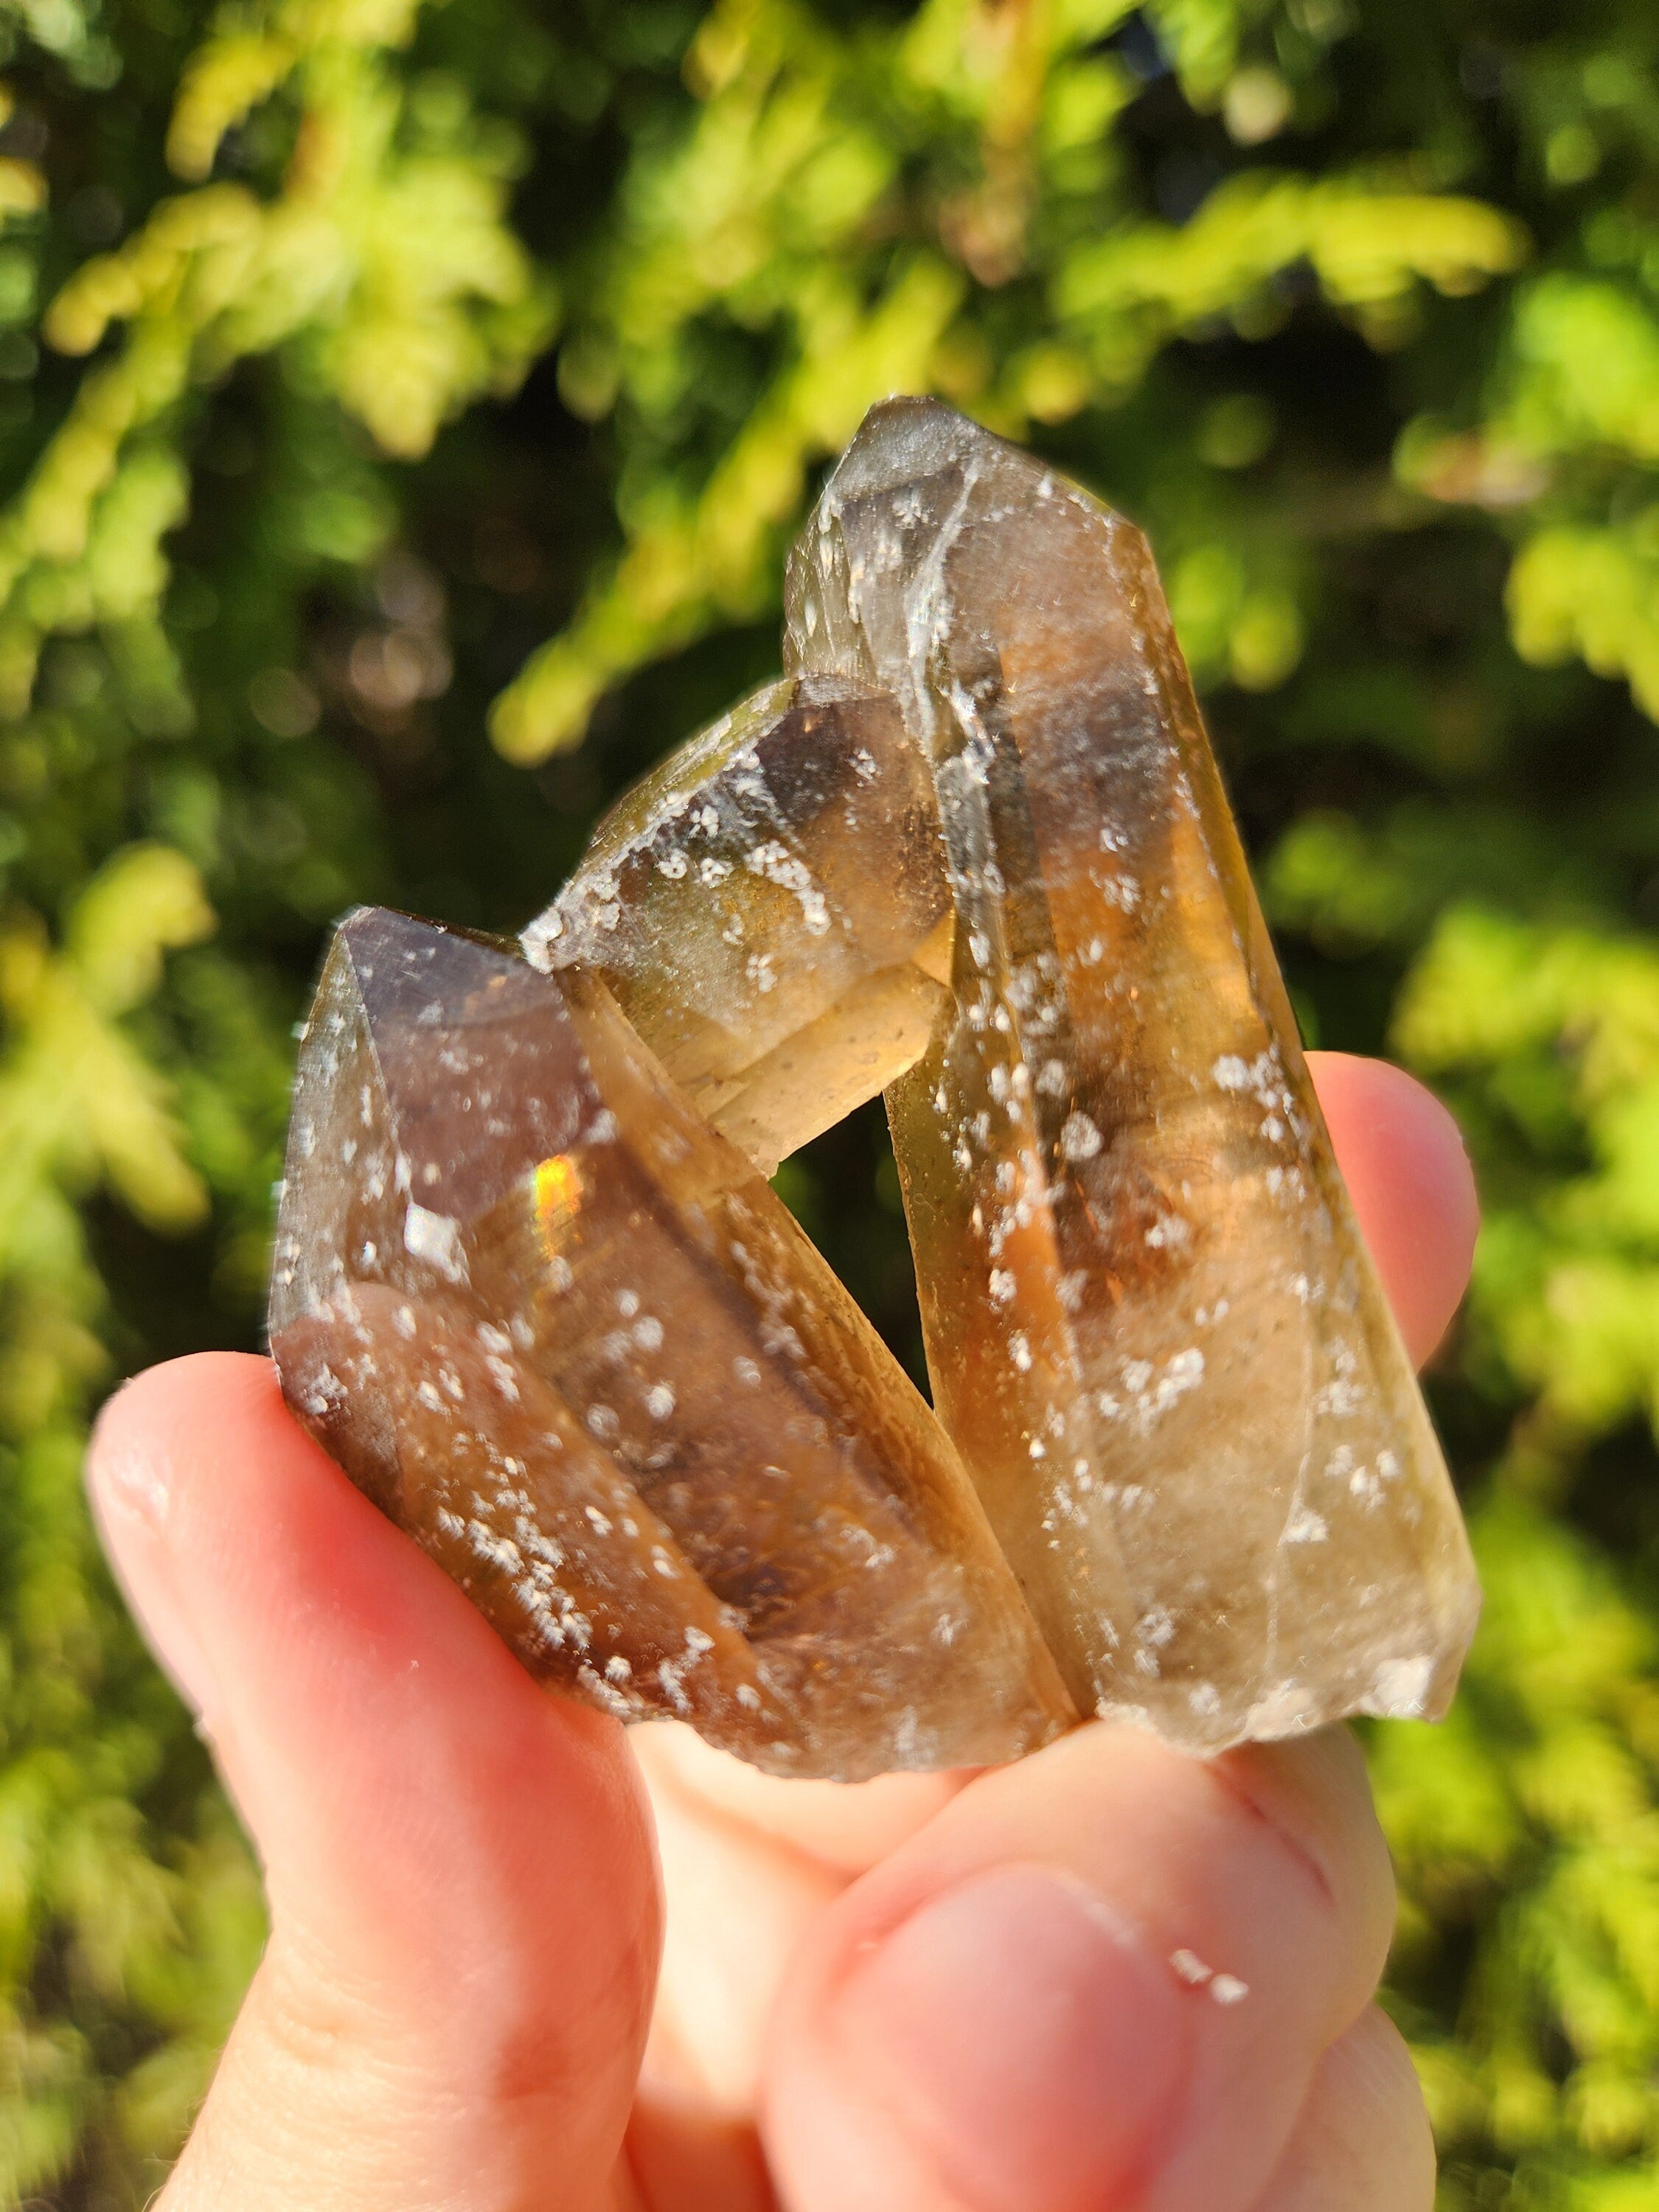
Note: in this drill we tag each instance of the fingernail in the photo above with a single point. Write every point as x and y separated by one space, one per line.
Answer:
125 1477
132 1508
1025 2040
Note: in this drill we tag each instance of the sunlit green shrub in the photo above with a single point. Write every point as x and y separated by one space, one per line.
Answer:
380 380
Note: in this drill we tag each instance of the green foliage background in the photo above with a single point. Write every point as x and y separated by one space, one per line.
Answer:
374 376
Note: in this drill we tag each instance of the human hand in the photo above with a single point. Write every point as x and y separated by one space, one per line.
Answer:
1107 1979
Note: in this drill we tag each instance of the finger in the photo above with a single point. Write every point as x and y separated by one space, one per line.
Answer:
736 1905
1363 2142
1104 1976
460 1867
749 1864
1402 1158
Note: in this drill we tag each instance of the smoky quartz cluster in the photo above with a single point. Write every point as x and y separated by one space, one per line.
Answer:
534 1292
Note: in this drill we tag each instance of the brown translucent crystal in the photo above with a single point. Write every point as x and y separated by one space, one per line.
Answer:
557 1327
1152 1327
770 910
533 1294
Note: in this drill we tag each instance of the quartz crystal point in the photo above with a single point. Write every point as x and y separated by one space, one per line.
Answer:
1152 1327
770 908
558 1329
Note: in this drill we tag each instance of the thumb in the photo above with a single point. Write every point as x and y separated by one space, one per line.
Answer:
464 1916
1107 1978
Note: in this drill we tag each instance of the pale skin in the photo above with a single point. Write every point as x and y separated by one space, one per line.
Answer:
961 1993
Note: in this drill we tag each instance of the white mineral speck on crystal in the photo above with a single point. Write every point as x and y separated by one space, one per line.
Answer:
435 1238
1283 1710
1402 1687
1080 1138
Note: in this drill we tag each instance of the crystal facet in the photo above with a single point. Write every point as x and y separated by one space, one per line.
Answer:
975 850
557 1327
